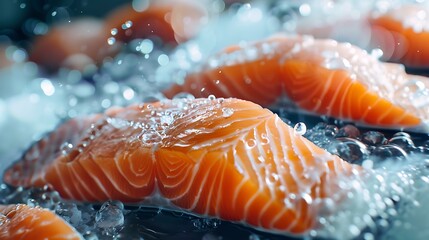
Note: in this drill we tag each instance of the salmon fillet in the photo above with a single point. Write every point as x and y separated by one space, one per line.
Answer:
317 76
19 221
224 158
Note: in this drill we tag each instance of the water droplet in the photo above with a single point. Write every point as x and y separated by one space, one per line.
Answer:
300 128
140 5
118 122
368 236
163 59
206 223
66 148
305 10
151 137
227 112
211 97
354 230
166 120
128 94
251 143
111 40
47 87
337 63
377 53
114 31
127 25
146 46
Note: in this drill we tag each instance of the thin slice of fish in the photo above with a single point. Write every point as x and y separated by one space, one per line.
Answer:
402 33
224 158
318 76
19 221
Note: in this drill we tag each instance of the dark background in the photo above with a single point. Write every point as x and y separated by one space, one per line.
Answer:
22 20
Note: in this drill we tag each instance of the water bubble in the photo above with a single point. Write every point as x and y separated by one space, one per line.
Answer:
111 88
146 46
140 5
227 112
205 224
114 31
111 40
83 90
127 25
300 128
128 93
166 120
331 130
163 59
305 10
47 87
110 217
211 97
106 103
151 137
354 230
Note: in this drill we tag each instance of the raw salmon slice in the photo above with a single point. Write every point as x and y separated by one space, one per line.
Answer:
23 222
317 76
403 33
224 158
73 45
171 21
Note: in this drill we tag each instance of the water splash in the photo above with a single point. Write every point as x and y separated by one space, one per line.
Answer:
300 128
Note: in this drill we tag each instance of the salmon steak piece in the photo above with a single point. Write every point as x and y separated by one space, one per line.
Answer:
316 76
173 21
19 221
403 33
224 158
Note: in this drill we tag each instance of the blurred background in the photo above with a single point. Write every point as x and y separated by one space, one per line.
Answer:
22 20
